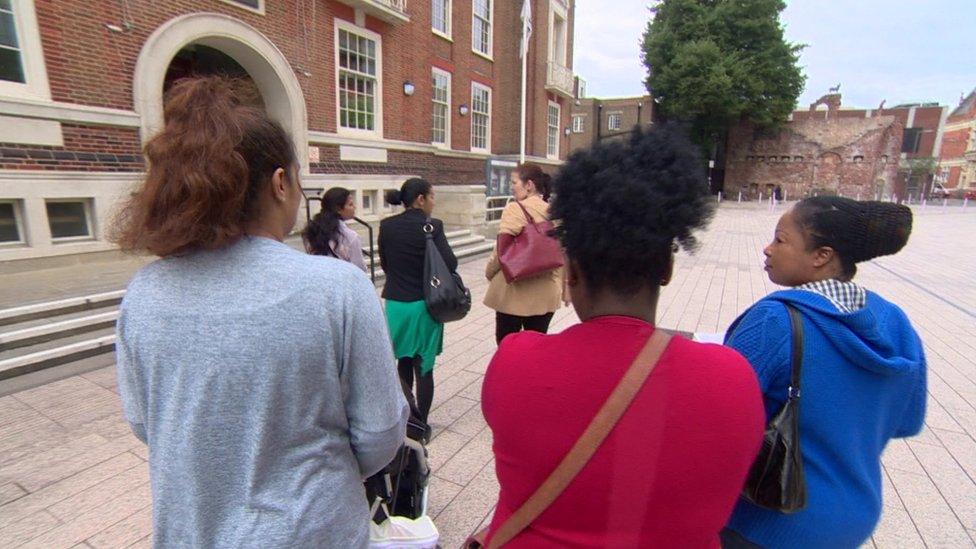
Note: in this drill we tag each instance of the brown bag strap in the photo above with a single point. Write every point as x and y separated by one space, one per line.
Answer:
588 443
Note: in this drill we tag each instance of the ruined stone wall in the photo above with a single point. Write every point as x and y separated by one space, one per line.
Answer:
855 157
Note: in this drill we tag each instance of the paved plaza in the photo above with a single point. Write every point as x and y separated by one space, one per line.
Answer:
71 474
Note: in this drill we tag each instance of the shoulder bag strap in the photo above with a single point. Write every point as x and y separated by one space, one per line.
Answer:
528 217
588 443
796 364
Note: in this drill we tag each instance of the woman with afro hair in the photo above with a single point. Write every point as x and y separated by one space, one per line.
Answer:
863 371
672 468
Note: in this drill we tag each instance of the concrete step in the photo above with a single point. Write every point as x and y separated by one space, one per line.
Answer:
25 364
33 311
55 330
57 335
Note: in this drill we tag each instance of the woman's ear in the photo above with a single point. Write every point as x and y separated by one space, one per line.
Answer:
823 255
279 185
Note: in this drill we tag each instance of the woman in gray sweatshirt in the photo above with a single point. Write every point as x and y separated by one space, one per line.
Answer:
261 378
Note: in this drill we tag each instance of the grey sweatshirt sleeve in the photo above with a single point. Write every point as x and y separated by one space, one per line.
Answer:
375 406
133 407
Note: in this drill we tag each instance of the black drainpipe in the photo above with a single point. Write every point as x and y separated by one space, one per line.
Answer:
599 121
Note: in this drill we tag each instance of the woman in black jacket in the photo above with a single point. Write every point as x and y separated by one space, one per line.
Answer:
417 337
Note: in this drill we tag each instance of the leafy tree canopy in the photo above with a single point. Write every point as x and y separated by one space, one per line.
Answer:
713 62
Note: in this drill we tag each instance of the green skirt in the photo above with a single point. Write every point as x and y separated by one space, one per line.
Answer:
414 332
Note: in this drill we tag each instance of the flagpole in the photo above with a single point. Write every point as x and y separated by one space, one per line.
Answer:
525 57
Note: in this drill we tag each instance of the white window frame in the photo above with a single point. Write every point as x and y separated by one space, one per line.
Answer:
487 148
31 56
556 9
489 55
377 132
580 88
448 15
18 222
259 10
611 117
447 119
578 123
550 129
89 219
368 195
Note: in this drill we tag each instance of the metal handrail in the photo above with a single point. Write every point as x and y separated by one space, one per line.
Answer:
369 230
490 211
372 255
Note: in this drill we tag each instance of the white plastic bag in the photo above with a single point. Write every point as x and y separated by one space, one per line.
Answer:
403 533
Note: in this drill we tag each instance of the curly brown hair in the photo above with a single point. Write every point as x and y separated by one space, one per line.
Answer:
207 168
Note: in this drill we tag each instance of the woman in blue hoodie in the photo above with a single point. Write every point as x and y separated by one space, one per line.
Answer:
863 374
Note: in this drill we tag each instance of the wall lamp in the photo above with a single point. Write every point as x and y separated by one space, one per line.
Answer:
463 109
408 88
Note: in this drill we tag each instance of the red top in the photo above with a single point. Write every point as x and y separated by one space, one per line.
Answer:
668 474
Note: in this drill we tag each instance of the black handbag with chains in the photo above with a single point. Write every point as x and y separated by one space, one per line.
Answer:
776 478
444 293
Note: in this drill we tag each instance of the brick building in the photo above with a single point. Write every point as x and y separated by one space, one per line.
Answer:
827 149
957 163
595 119
372 91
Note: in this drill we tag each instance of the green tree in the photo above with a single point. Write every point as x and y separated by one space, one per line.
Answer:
923 166
715 62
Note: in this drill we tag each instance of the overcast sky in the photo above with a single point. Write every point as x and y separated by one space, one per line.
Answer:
898 50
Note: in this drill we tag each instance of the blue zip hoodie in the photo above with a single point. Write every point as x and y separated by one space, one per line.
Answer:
863 383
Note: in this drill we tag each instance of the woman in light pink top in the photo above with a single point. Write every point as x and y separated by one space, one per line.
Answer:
327 232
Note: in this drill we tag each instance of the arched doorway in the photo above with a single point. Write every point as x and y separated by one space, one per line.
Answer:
199 60
202 42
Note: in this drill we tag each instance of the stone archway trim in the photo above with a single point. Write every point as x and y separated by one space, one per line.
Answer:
264 62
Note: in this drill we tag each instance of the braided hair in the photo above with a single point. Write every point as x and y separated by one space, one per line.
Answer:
856 230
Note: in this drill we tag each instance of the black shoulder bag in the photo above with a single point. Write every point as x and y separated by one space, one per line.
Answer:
776 478
444 293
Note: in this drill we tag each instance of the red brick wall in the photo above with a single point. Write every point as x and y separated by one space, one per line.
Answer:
86 148
927 118
89 65
954 143
955 174
439 170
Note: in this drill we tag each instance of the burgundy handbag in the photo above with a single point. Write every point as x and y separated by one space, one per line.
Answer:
530 253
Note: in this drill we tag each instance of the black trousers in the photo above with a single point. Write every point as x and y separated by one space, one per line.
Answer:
509 324
409 369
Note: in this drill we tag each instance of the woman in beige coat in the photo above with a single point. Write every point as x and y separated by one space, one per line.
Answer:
526 304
